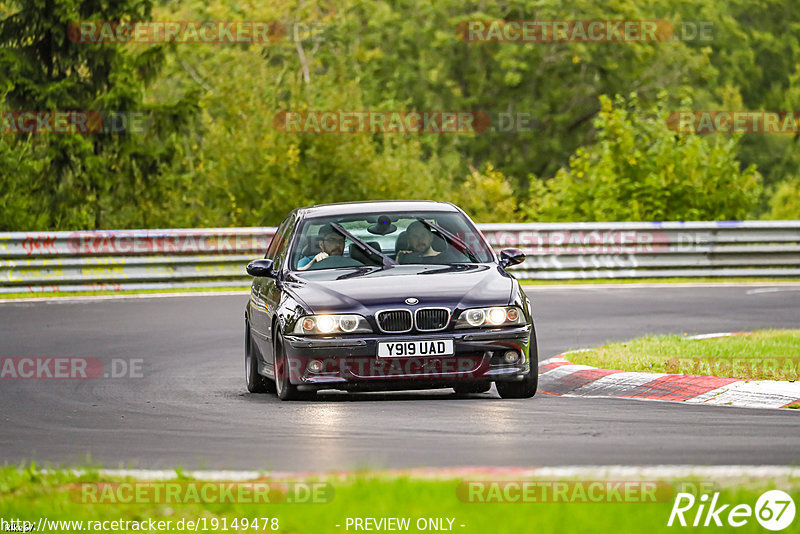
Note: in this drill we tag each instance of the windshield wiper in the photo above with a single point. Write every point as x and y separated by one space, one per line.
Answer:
454 239
360 271
387 261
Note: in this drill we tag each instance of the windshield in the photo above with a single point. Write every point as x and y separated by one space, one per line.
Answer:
378 239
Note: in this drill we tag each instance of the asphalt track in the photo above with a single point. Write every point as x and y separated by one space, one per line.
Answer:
191 408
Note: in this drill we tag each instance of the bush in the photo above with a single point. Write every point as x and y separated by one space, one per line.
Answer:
487 196
785 202
640 170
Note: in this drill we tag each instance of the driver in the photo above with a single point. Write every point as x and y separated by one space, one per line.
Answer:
331 243
420 240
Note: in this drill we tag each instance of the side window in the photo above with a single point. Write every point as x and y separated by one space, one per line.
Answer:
279 238
283 245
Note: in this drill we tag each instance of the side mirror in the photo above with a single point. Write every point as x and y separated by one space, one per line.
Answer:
261 268
511 256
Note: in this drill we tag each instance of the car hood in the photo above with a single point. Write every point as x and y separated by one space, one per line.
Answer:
365 290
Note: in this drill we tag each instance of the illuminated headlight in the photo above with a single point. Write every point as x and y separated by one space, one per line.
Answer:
331 324
475 317
495 316
325 324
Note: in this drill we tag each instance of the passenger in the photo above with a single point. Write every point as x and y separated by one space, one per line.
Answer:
331 243
420 240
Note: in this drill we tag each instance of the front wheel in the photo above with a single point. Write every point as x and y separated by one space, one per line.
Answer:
525 388
255 382
283 386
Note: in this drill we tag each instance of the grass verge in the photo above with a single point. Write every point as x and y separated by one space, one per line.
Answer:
761 355
29 495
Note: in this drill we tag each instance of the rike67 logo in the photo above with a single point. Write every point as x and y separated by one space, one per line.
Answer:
774 510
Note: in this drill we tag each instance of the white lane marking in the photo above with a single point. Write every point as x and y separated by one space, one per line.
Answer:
668 471
558 373
770 290
619 383
553 360
620 472
123 297
753 394
709 336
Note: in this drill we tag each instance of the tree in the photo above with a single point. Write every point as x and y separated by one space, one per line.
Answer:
96 179
413 53
247 171
641 170
785 202
487 196
212 156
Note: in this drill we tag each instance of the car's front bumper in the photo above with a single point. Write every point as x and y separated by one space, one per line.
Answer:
351 362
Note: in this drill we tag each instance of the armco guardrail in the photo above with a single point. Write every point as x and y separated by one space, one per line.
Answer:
155 259
128 259
652 250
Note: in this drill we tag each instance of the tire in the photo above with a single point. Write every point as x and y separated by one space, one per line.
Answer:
479 387
525 388
283 387
255 382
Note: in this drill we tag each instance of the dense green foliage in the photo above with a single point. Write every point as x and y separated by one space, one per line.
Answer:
90 180
211 155
640 170
785 203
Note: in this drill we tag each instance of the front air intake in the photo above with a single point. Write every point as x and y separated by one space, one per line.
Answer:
431 319
394 321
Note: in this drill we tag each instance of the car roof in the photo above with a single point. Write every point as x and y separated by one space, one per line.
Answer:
376 206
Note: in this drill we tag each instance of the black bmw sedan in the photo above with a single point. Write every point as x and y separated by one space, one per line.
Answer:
369 296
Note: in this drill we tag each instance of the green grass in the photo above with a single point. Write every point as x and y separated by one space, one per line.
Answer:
685 280
27 494
762 355
124 292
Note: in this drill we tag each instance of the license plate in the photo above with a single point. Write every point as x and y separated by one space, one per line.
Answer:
398 349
